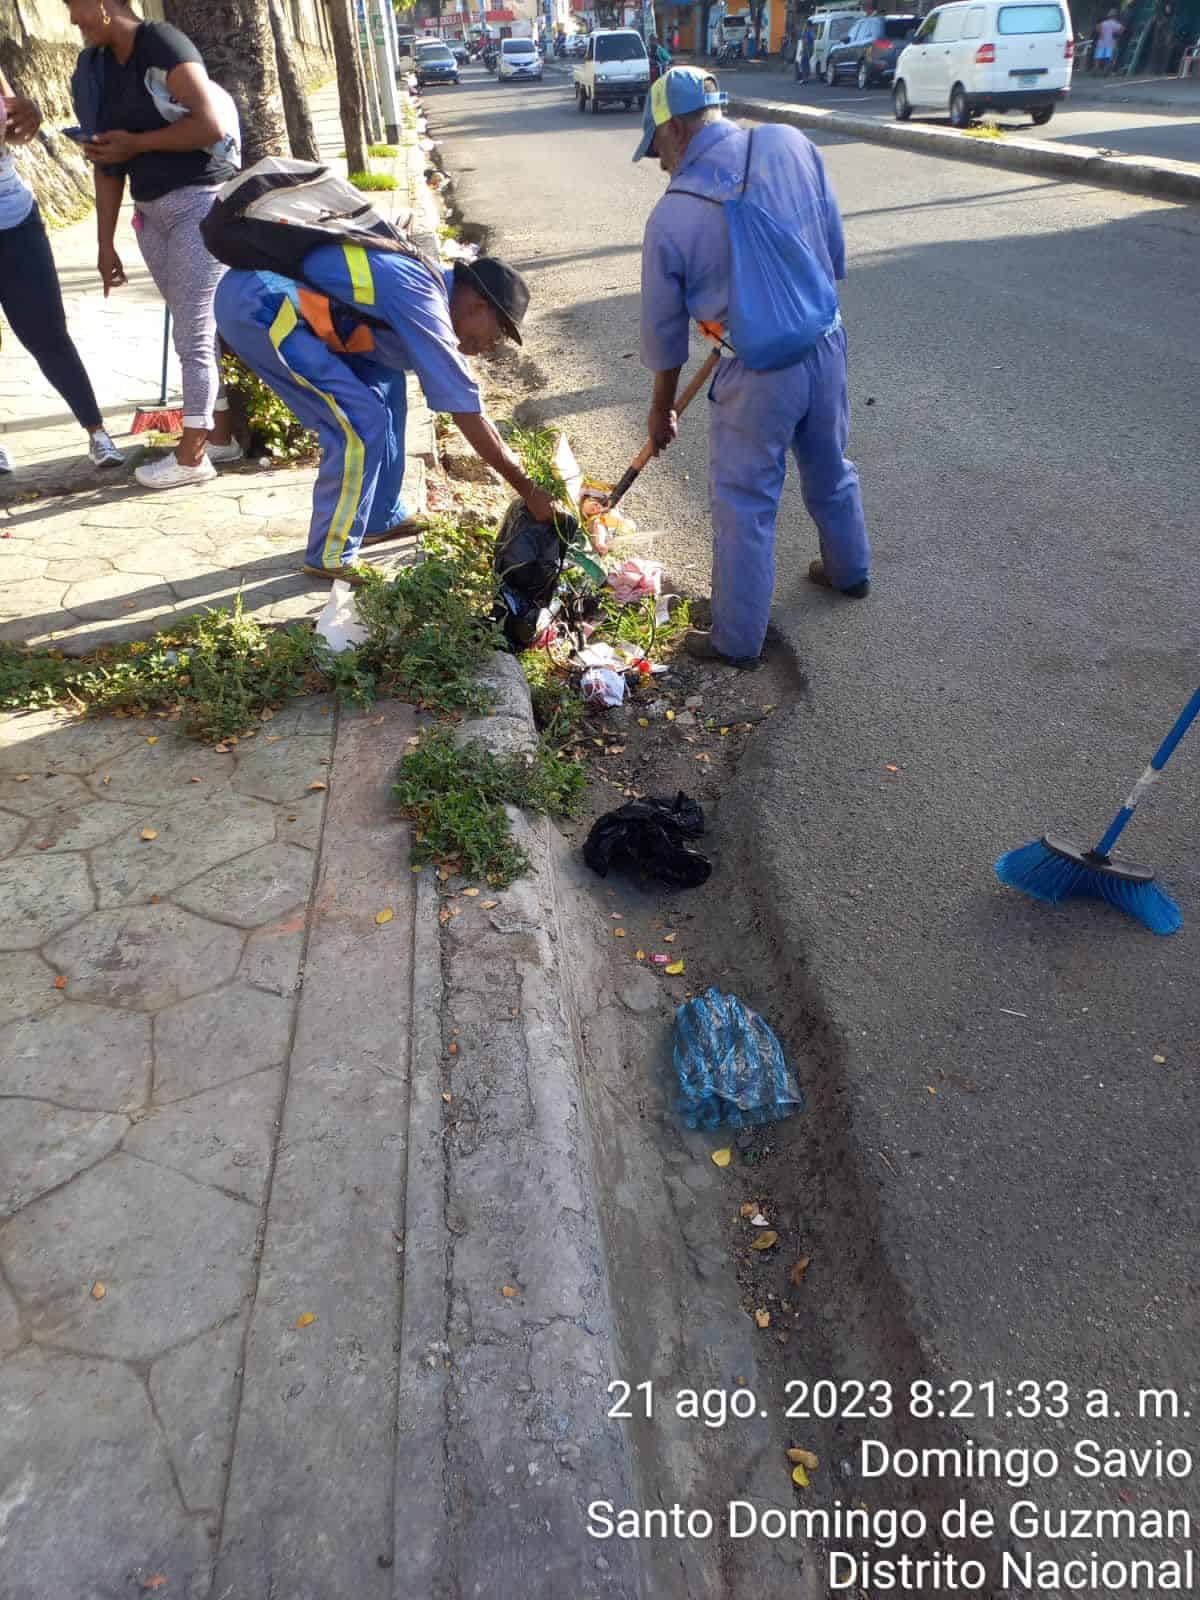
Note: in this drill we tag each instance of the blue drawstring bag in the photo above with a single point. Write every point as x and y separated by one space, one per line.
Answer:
781 299
730 1066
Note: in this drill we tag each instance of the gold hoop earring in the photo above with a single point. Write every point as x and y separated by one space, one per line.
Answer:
104 17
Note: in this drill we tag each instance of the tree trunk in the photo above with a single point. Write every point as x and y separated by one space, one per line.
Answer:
350 94
234 37
301 136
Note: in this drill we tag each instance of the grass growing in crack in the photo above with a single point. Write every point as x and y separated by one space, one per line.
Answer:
456 797
536 447
384 152
374 180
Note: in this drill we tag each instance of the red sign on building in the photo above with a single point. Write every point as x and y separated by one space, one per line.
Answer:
499 16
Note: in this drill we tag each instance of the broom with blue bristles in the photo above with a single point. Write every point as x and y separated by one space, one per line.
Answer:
1055 869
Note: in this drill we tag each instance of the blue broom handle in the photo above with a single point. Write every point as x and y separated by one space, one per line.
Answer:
1161 756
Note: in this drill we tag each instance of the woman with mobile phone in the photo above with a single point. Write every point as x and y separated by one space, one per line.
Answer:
30 296
155 118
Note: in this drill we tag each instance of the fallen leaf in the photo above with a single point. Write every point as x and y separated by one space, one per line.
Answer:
273 738
60 982
722 1158
762 1319
447 1096
618 933
929 1089
800 1477
385 915
670 938
767 710
416 739
764 1241
1160 1061
488 905
451 1049
154 899
639 955
292 818
890 768
676 968
747 1208
220 749
154 1581
803 1458
471 893
193 780
153 739
509 1292
21 777
149 833
98 1290
670 716
316 786
722 731
798 1271
643 722
306 1319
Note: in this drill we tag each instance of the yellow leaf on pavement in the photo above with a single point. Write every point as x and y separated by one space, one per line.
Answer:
149 833
762 1318
98 1290
800 1477
798 1271
317 785
471 893
306 1319
803 1458
509 1292
488 905
722 1158
153 739
385 915
765 1240
676 968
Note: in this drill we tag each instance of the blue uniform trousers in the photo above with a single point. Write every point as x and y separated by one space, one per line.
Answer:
754 418
355 406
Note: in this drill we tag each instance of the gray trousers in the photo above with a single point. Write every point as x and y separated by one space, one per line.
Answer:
168 231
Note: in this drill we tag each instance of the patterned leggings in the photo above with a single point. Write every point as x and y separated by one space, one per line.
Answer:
168 231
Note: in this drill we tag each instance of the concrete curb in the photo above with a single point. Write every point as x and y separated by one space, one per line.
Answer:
1161 179
508 1338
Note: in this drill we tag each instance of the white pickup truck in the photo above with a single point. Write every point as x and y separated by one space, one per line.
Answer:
615 67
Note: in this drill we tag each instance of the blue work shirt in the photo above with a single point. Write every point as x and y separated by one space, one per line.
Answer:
685 252
419 336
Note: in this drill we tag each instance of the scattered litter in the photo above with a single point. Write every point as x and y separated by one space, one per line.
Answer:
528 562
98 1290
762 1318
383 916
658 959
730 1067
804 1458
306 1319
1160 1061
316 786
602 686
676 968
722 1158
758 1220
765 1241
694 702
60 982
338 623
651 835
797 1273
1005 1012
606 527
800 1477
636 580
149 833
509 1292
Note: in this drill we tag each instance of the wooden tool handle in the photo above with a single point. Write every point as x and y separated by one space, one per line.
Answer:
699 378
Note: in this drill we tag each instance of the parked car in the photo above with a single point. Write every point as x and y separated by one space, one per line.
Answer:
519 58
987 55
615 67
577 45
830 27
871 50
435 63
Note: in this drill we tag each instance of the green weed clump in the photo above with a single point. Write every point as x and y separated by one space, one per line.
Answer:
373 181
273 424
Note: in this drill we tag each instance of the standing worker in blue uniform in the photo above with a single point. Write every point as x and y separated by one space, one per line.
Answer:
337 348
756 416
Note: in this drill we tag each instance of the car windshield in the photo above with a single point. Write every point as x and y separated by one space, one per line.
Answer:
620 47
1029 19
898 27
517 47
434 52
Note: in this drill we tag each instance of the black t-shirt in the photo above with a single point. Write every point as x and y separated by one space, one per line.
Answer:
127 104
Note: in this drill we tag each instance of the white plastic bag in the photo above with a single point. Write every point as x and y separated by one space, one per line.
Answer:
338 624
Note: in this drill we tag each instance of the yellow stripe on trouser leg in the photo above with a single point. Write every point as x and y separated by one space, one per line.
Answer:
286 321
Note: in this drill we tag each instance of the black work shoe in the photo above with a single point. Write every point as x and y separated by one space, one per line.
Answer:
816 574
701 648
410 528
700 613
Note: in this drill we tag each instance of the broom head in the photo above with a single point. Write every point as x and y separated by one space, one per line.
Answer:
1054 869
160 419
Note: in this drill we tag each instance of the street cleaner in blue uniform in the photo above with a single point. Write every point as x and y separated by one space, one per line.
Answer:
756 415
337 346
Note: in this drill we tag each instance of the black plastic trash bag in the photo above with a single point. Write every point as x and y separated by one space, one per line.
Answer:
528 564
650 835
730 1066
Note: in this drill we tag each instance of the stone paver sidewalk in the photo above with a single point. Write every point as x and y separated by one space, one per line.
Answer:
88 558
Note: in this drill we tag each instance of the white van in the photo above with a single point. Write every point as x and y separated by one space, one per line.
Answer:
987 55
831 25
615 67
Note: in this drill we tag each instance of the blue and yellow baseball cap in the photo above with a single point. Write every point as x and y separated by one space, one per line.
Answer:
680 91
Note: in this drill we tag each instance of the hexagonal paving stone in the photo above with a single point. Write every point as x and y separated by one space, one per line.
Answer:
163 770
16 567
255 889
67 828
271 959
217 1037
12 831
223 1137
282 771
40 791
173 1256
145 957
30 599
79 1055
77 568
90 1500
26 987
42 1146
116 597
10 1323
193 835
194 1389
51 742
39 895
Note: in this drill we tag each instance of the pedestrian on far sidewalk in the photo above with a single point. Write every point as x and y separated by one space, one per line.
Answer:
1108 33
807 40
756 416
156 118
30 296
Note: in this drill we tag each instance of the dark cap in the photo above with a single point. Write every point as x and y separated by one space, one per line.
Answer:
501 286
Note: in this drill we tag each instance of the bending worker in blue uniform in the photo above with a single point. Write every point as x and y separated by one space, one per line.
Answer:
344 376
755 416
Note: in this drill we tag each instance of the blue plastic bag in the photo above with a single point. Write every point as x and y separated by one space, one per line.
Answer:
730 1066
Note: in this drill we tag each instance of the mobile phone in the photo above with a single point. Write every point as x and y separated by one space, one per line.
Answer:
77 134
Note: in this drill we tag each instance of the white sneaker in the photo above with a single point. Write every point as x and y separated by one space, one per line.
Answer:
223 454
6 463
166 473
103 451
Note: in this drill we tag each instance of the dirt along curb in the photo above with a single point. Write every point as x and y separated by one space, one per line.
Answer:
1161 179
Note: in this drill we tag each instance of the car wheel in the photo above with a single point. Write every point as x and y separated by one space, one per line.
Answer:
641 102
900 102
830 74
1042 116
960 111
864 77
595 104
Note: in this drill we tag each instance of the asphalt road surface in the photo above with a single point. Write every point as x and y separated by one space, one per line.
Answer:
1128 131
1031 478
